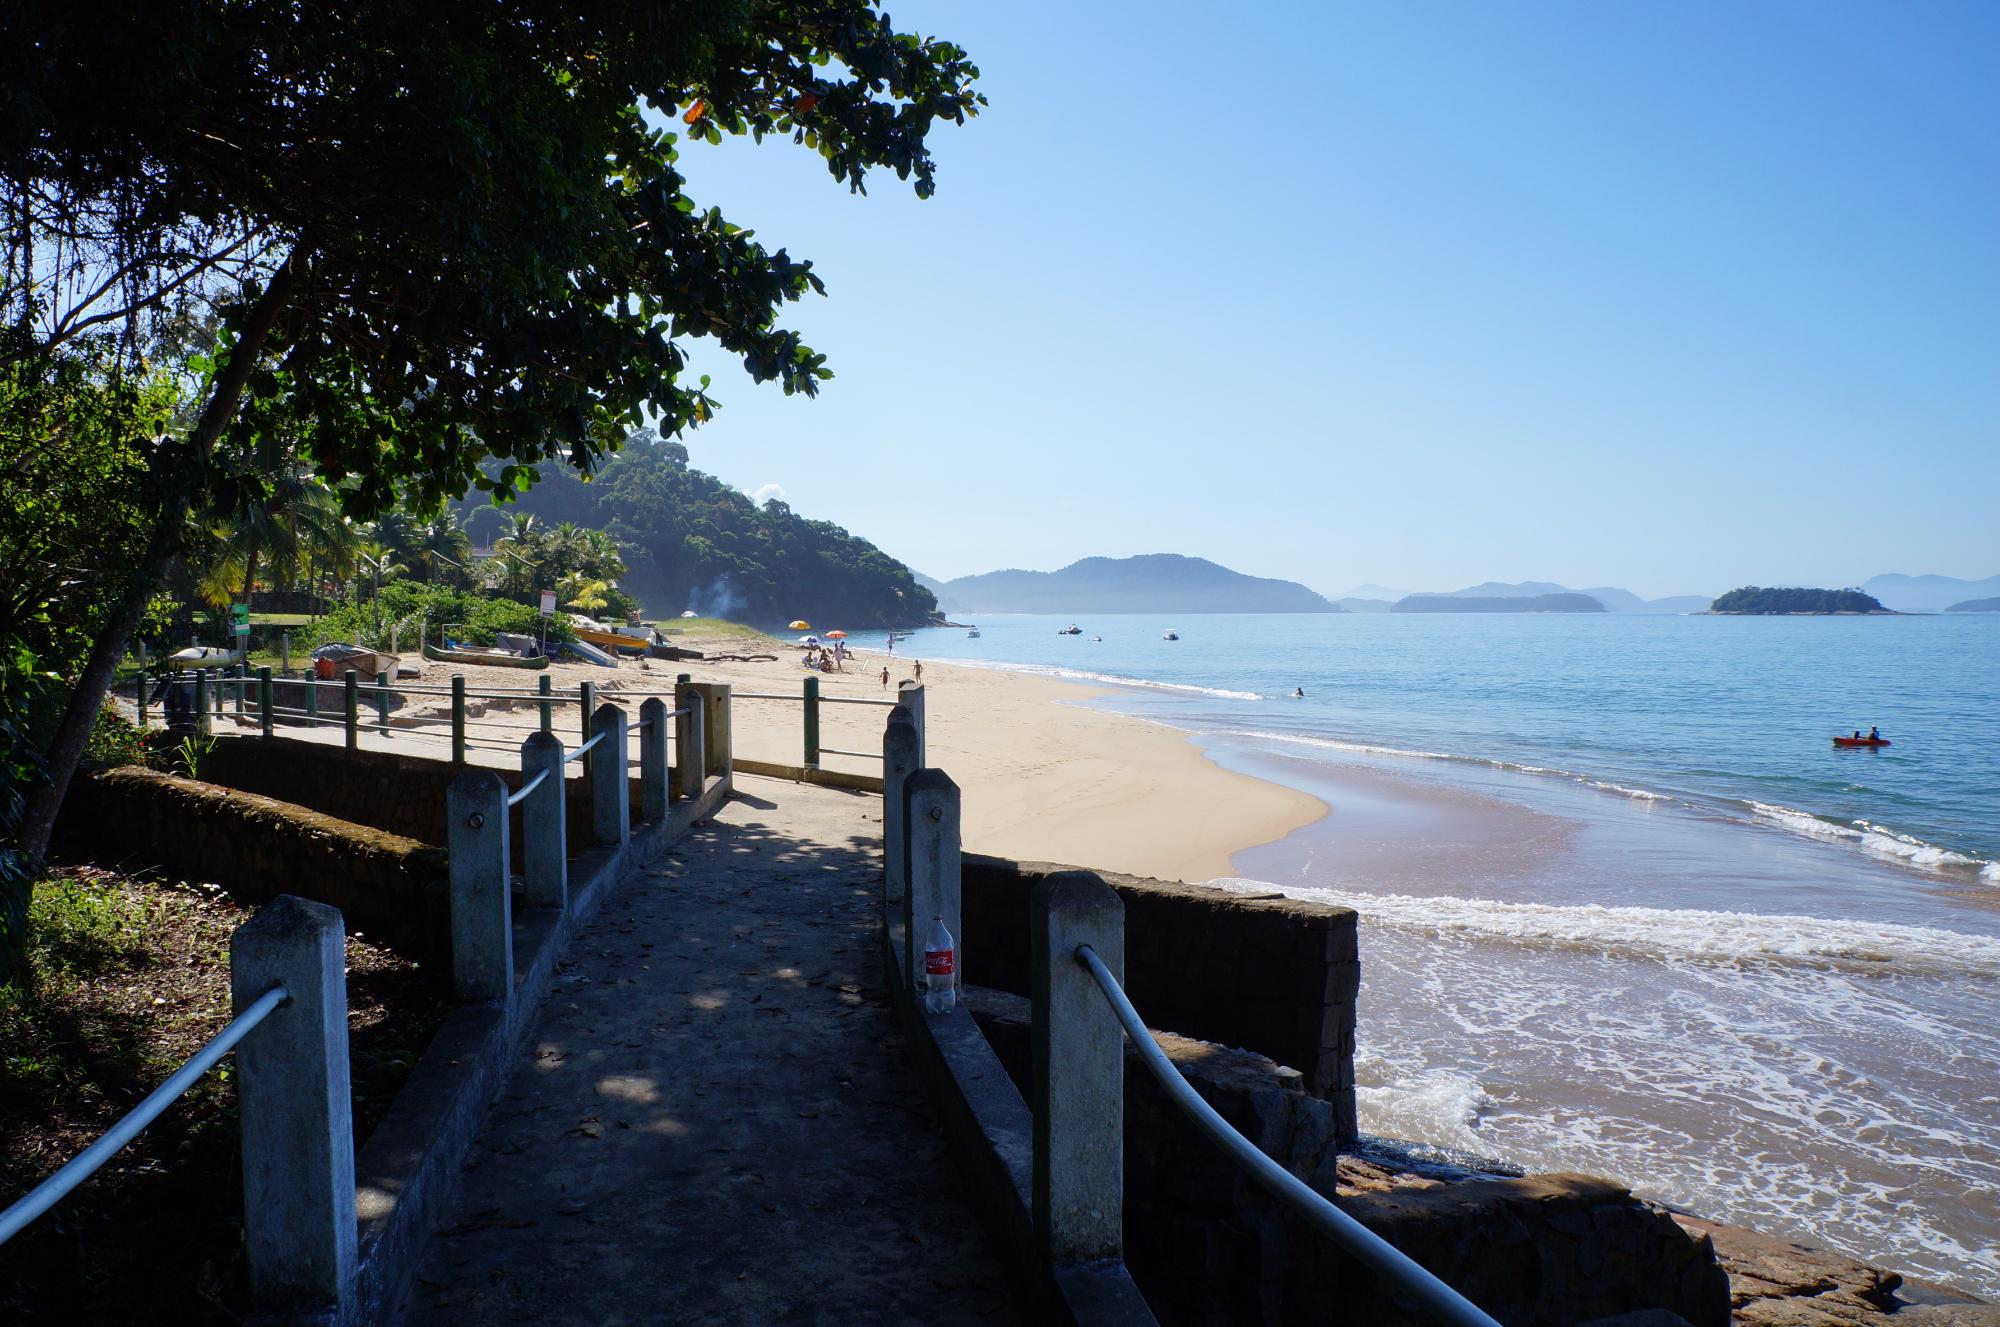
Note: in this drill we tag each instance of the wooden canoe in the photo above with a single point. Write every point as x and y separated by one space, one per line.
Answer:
486 658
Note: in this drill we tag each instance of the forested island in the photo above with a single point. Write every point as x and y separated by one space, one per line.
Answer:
1976 606
1755 600
690 541
1532 603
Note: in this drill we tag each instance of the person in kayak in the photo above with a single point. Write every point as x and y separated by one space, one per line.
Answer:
1857 734
1874 734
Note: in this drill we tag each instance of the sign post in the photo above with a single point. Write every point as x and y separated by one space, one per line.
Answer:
549 611
239 626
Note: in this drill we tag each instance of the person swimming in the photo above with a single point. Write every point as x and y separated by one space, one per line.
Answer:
1298 693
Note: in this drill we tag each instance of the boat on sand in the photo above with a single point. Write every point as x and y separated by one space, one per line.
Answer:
485 656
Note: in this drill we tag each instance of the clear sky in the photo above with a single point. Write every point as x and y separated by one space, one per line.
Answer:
1673 296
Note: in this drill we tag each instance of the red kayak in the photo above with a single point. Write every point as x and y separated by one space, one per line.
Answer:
1861 741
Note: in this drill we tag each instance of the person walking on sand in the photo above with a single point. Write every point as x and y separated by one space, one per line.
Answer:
885 677
919 669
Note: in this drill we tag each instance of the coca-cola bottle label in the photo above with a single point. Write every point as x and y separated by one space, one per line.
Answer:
938 962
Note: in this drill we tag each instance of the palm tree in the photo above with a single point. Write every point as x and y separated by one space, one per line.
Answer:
520 551
378 561
443 550
580 592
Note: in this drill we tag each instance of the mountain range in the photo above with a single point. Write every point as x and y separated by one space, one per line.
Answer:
1380 599
1149 583
1928 594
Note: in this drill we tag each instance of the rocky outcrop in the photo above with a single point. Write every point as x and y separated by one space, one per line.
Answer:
1776 1283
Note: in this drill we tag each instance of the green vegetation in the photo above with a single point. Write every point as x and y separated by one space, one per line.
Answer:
1756 600
688 540
485 259
1534 603
407 605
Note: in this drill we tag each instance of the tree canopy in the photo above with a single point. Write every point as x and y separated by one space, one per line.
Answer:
1756 599
413 240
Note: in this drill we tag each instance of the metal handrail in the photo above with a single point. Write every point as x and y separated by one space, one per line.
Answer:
836 751
585 747
857 700
765 695
81 1167
1409 1277
520 794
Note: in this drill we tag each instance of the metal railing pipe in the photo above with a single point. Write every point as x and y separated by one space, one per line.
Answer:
80 1168
520 794
578 754
1411 1278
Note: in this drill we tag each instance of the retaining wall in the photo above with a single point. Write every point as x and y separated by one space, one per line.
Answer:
388 885
1271 974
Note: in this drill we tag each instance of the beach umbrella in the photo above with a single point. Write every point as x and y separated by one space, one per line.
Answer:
836 635
690 613
801 626
808 640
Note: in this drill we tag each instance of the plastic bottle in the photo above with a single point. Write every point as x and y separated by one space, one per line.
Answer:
940 970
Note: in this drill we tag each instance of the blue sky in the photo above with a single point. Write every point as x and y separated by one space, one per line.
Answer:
1669 296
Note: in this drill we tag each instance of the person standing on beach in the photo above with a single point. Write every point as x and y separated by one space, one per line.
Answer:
920 670
885 677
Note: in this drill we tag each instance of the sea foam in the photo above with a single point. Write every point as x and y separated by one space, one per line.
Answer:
1672 934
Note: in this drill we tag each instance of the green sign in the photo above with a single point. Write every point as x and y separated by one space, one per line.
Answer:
240 614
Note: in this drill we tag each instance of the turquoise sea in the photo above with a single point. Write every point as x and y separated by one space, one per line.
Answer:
1624 907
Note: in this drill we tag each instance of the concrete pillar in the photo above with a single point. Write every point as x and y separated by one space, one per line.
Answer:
716 727
690 742
458 718
545 687
811 697
264 715
544 825
203 724
482 922
1078 1075
910 695
586 706
294 1109
899 762
610 795
352 681
653 761
931 811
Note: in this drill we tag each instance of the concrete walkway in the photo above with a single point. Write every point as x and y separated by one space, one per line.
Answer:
715 1120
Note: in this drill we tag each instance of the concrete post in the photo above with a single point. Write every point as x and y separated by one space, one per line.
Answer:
458 718
312 680
482 923
690 741
352 680
1078 1076
241 679
716 728
899 762
653 794
812 722
202 723
263 700
382 701
285 654
586 704
610 796
931 812
910 695
544 825
294 1108
546 687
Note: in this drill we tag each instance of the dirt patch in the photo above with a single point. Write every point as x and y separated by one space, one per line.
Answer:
131 976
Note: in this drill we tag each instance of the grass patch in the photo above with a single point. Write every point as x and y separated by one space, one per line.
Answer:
128 977
715 628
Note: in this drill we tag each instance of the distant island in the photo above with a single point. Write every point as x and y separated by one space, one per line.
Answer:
1148 583
1929 593
1533 603
1754 600
1975 606
1381 599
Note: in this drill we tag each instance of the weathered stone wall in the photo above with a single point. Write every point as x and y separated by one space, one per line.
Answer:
1274 975
392 887
1208 1246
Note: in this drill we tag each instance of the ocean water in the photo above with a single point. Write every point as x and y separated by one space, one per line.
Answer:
1624 908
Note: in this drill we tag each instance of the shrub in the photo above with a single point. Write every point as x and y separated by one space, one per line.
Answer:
114 739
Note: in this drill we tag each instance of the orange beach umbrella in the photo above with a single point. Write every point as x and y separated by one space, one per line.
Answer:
836 635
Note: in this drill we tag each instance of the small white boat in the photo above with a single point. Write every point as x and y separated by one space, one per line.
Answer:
1170 634
1097 638
972 633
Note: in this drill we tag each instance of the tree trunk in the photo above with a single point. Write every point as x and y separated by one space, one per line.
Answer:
73 734
250 571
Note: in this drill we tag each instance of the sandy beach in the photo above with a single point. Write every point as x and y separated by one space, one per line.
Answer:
1044 778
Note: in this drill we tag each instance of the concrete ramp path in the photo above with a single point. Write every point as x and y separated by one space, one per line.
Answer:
715 1119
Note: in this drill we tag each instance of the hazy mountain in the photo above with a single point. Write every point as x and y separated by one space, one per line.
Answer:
931 583
1928 594
1373 591
1149 583
1352 605
1613 598
1976 606
1560 601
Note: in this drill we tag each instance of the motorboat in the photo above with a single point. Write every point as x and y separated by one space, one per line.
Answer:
1170 634
972 633
1071 630
1097 638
